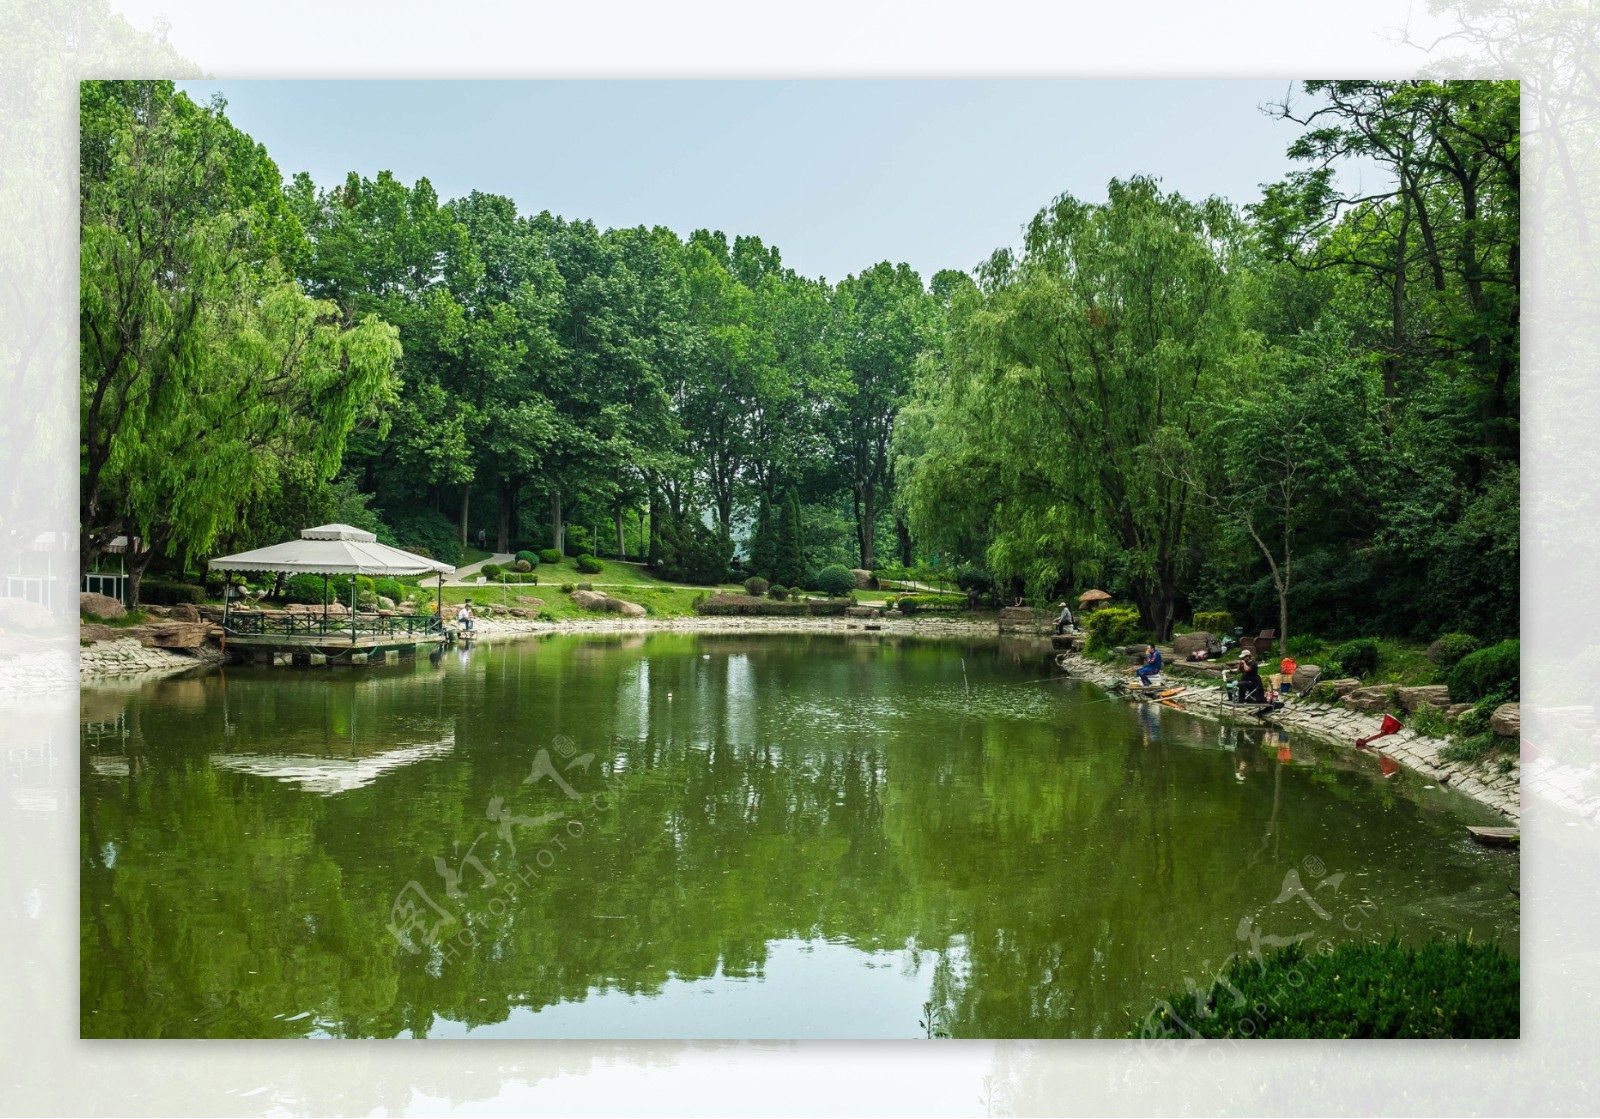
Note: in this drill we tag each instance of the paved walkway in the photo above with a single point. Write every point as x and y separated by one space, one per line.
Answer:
468 575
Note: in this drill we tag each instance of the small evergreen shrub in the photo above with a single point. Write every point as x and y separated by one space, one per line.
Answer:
1358 658
755 586
520 577
1109 627
912 603
568 588
835 581
1495 669
1219 622
589 565
491 572
549 555
1447 652
392 589
778 592
529 558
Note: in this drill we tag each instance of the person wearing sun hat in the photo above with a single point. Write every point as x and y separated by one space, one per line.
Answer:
1064 622
1250 687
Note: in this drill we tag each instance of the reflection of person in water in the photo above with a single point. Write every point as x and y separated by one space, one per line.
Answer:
1149 724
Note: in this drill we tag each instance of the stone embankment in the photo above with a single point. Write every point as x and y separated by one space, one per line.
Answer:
1343 725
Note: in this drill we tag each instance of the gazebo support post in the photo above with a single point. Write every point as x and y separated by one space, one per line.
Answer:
227 585
352 610
324 606
438 610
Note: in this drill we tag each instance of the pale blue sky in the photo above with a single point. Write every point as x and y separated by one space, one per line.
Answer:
839 175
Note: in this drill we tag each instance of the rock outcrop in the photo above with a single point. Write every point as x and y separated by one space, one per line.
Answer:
1507 720
100 606
1431 695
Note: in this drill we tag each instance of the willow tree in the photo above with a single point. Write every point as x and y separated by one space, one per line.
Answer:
1064 369
202 366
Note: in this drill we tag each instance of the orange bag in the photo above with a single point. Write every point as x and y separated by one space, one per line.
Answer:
1287 666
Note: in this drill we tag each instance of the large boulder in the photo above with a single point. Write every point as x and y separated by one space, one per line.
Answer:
18 615
184 612
91 631
171 635
1185 643
1507 720
1343 687
627 609
589 600
1371 700
100 606
1304 676
1455 711
1432 695
861 611
864 579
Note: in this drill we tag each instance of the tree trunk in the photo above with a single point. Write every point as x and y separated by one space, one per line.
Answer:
506 503
466 497
907 558
555 519
622 543
869 518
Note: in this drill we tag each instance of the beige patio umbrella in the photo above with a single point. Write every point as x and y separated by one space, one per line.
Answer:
1088 597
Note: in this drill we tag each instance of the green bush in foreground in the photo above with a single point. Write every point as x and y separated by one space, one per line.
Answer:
1109 627
529 558
589 565
1444 989
1359 657
1447 652
835 580
1495 669
550 555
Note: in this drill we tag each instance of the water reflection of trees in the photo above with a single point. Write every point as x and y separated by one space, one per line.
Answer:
1062 869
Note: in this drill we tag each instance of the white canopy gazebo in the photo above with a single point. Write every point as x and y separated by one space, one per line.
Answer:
331 550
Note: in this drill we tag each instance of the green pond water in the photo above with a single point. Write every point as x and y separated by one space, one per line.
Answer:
720 836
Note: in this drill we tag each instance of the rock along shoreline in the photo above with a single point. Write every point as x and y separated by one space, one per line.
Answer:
1341 726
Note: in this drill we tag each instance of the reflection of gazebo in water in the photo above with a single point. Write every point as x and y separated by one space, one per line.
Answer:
309 637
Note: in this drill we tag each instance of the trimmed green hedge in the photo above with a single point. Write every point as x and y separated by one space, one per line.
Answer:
912 603
529 558
1495 669
723 605
1219 622
1444 989
550 555
589 565
1109 627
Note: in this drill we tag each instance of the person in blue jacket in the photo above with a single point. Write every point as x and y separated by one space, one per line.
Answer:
1152 665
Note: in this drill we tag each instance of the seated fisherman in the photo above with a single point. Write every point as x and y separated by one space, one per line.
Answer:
1151 666
1064 622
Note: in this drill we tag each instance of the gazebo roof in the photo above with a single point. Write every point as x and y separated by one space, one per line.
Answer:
332 550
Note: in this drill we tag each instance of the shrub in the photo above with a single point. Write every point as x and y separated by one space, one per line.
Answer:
1495 669
912 603
1219 622
589 565
568 588
549 555
491 572
1358 657
523 566
529 558
392 589
1109 627
778 592
1447 652
1305 648
684 550
1445 988
520 577
835 580
160 592
755 586
586 586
